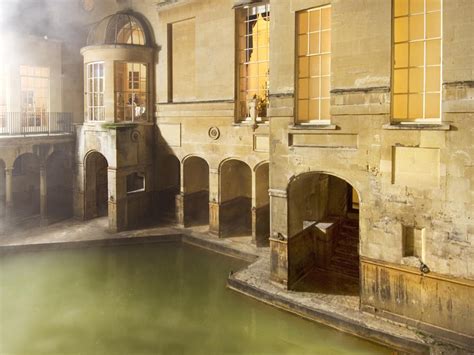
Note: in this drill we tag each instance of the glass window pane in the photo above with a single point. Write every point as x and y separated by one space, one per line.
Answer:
400 81
400 8
314 110
314 43
263 69
416 80
433 24
417 27
302 45
303 67
303 88
433 5
401 29
326 41
433 52
314 87
415 106
401 55
314 21
417 6
303 110
433 79
417 54
325 64
325 86
326 18
432 106
314 62
302 22
325 109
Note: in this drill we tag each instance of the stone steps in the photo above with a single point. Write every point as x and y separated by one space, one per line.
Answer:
345 258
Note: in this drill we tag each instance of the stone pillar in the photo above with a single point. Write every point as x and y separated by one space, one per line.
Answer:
79 191
279 236
214 222
254 207
8 192
43 196
179 203
214 203
113 200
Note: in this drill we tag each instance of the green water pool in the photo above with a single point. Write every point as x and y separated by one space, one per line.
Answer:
161 298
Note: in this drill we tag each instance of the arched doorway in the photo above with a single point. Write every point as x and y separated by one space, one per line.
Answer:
59 186
96 192
323 243
169 174
261 218
196 191
26 186
235 199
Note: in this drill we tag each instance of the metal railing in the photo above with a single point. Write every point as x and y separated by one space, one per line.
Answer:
44 123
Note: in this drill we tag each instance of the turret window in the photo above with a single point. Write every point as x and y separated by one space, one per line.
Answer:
95 91
130 91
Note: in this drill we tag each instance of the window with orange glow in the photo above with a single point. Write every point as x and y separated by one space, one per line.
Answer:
253 55
313 65
416 81
130 91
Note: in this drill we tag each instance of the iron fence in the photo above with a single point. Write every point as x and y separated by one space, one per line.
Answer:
44 123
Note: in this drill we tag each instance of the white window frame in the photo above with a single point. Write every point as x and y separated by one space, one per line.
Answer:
314 122
265 5
422 120
95 112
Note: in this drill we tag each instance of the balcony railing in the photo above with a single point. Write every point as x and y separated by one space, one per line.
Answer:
44 123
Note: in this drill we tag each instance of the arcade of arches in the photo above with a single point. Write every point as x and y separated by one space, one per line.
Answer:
36 188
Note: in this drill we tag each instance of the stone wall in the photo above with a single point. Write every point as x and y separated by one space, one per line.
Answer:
419 177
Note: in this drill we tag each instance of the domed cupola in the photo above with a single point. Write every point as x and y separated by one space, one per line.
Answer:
118 67
125 27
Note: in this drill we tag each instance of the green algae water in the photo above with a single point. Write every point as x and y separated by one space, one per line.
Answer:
162 298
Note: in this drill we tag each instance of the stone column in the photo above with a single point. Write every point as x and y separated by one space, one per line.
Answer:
254 207
114 203
79 191
279 236
43 196
214 203
179 198
8 192
179 203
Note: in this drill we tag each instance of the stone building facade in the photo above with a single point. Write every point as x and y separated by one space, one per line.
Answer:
337 133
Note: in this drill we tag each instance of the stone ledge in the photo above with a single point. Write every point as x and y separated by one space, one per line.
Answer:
417 126
312 127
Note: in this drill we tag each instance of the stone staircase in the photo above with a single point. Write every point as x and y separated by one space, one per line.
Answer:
345 257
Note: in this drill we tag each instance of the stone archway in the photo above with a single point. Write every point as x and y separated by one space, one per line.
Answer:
323 242
59 177
26 186
96 185
235 190
195 191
